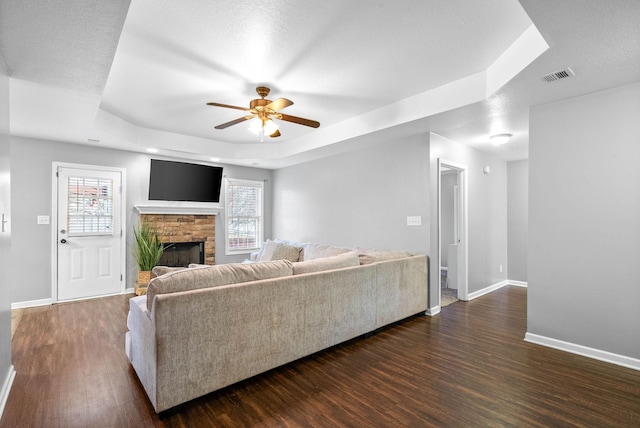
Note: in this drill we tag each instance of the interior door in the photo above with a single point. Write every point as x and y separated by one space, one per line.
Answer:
89 233
461 229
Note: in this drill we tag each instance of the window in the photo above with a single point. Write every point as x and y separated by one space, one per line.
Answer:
90 206
244 219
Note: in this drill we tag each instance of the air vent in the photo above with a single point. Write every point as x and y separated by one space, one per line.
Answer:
557 75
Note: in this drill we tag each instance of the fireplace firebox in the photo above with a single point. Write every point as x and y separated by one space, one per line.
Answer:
181 254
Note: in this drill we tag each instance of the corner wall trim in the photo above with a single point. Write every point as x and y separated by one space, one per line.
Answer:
585 351
6 387
518 283
433 311
31 303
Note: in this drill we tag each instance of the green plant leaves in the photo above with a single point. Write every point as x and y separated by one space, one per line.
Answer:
149 248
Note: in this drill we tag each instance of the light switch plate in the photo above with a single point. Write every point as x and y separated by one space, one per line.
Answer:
414 220
43 219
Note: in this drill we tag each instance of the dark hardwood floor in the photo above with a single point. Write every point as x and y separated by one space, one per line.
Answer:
469 366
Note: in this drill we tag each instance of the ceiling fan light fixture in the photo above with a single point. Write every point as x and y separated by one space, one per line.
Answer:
270 127
260 112
262 127
500 139
255 125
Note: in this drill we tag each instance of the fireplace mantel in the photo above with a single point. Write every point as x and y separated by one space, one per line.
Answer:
179 209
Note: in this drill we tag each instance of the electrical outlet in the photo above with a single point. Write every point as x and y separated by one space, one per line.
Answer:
415 220
43 219
501 268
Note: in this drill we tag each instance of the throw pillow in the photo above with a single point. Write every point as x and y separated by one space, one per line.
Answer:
273 250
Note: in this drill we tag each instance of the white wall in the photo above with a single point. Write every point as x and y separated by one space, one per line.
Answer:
487 211
518 218
31 169
6 369
584 221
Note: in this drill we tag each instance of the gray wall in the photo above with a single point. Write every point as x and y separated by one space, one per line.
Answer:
31 169
584 221
518 218
5 238
359 199
362 198
487 211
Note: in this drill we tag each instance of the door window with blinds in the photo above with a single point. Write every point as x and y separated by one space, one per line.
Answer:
90 206
244 215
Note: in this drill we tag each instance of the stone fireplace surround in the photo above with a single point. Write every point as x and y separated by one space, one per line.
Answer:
183 225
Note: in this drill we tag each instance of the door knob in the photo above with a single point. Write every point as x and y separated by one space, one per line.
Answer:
63 241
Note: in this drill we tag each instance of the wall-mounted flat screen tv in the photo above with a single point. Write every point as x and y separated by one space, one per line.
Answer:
179 181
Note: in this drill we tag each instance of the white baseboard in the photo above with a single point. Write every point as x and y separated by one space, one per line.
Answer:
487 290
6 388
31 303
46 302
517 283
436 310
597 354
433 311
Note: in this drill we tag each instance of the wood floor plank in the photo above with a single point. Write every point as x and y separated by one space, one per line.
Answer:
468 366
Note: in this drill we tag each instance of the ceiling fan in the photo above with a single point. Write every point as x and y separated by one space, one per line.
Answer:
263 111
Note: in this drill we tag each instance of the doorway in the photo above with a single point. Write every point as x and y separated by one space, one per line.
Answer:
88 232
452 251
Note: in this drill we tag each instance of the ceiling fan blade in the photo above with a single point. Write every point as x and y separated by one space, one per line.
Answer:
227 106
234 122
275 134
279 104
300 120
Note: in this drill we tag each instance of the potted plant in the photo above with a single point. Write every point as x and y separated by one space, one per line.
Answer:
148 251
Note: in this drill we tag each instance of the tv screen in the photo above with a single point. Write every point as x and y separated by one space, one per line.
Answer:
179 181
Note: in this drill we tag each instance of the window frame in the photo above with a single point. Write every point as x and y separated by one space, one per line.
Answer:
229 183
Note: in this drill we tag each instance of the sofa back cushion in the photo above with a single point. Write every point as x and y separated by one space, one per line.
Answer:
327 263
369 256
313 251
161 270
213 276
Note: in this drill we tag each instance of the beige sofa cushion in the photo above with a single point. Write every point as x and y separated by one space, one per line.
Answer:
161 270
327 263
212 276
313 251
368 256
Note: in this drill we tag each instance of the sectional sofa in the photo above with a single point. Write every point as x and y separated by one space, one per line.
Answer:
206 327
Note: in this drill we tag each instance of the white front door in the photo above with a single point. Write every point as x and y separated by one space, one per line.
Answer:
89 233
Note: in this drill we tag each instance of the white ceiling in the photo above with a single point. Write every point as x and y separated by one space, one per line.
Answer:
139 75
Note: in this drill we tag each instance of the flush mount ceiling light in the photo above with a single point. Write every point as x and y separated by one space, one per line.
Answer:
500 139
